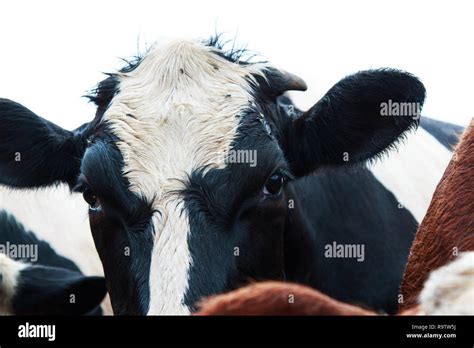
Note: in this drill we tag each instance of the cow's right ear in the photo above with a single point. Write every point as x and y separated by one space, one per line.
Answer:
35 152
352 123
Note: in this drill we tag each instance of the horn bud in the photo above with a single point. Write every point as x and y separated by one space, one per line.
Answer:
280 81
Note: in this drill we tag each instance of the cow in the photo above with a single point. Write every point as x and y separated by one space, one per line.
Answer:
439 277
35 280
446 231
175 215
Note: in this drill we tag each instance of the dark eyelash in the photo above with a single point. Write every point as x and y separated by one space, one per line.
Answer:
287 175
81 184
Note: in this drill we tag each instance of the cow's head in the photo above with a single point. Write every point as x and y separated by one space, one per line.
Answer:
174 212
48 284
27 289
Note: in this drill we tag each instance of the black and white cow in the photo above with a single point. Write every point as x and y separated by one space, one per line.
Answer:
175 220
42 282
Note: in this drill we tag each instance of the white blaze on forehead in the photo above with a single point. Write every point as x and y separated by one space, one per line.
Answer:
176 112
9 273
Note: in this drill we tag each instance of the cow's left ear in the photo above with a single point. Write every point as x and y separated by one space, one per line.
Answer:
35 152
358 119
43 290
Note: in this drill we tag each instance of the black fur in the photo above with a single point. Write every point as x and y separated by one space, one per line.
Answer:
48 153
48 290
44 288
276 242
348 207
348 120
108 88
227 209
124 222
237 55
103 93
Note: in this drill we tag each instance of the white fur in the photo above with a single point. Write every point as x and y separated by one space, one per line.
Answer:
9 272
413 171
58 217
182 120
450 289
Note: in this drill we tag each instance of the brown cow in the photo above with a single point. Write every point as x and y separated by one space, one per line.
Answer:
443 287
277 298
448 227
453 283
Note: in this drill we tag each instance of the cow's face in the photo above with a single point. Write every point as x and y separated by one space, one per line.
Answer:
185 181
185 164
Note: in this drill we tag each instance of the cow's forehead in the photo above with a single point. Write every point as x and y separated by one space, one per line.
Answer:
177 111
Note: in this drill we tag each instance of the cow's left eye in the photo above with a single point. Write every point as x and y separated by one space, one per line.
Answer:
91 199
274 184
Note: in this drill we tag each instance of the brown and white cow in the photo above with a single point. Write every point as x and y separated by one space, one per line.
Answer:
446 231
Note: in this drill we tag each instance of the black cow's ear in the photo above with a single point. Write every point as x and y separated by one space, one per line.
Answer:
35 152
354 121
43 290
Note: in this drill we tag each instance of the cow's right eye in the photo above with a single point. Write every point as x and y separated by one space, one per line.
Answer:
91 199
274 184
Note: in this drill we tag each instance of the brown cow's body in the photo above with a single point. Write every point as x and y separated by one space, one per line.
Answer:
448 227
278 298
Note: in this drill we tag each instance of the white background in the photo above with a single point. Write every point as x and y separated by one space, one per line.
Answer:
52 52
